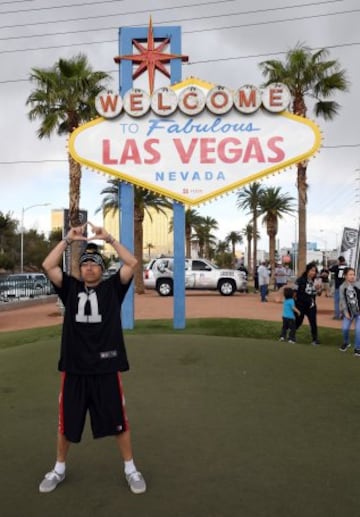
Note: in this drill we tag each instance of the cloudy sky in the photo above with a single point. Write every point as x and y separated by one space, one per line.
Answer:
225 41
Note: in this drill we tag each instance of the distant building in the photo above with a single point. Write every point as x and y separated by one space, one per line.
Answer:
57 219
312 246
157 239
60 219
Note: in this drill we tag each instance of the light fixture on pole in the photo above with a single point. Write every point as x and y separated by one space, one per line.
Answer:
23 210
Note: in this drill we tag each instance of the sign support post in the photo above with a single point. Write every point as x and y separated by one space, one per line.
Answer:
126 190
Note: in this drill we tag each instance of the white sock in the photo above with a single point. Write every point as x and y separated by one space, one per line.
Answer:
129 466
60 467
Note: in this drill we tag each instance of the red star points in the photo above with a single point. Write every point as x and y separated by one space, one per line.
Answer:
151 57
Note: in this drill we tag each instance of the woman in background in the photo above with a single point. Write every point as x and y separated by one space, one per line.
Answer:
350 309
306 293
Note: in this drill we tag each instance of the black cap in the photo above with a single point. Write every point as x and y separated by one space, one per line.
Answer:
92 254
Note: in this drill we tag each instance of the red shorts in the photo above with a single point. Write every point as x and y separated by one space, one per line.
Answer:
101 395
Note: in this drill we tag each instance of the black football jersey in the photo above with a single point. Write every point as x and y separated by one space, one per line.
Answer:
92 338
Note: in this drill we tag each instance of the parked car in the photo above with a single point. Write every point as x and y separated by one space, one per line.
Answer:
111 270
199 274
25 285
148 272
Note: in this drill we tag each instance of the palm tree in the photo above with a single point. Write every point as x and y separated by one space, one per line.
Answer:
233 238
208 224
143 201
63 99
204 237
307 74
248 233
223 258
8 241
149 246
192 219
248 198
274 205
222 247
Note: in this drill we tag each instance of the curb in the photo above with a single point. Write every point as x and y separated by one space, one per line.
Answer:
21 304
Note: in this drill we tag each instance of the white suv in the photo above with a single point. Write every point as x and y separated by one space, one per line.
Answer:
148 272
199 274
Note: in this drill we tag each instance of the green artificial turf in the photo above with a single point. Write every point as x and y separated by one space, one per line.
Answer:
255 329
222 427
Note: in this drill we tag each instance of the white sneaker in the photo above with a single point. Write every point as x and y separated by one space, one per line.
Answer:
51 481
136 482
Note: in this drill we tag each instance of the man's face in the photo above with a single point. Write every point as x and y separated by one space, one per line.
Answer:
91 273
350 276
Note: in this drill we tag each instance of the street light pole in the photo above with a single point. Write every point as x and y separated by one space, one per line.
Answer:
23 210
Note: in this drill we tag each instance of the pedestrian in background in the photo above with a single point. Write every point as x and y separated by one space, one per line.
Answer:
263 279
288 316
306 293
325 284
281 276
256 278
338 275
350 309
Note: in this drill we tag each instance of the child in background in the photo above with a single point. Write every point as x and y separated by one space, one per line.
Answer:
288 316
350 309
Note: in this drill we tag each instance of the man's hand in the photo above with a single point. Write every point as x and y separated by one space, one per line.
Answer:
98 232
77 233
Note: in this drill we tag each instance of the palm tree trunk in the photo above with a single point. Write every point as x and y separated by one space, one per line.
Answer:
272 244
188 241
201 249
138 249
302 201
74 208
255 244
249 255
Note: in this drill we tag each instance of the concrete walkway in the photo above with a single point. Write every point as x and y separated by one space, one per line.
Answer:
199 304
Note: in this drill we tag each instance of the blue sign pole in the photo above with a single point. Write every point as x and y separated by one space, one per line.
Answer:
126 192
126 225
179 316
179 319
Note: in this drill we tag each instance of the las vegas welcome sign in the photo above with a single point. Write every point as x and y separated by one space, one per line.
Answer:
194 141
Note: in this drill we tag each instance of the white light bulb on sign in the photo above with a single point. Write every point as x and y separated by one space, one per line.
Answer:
136 102
219 100
276 97
108 104
191 100
164 101
247 99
